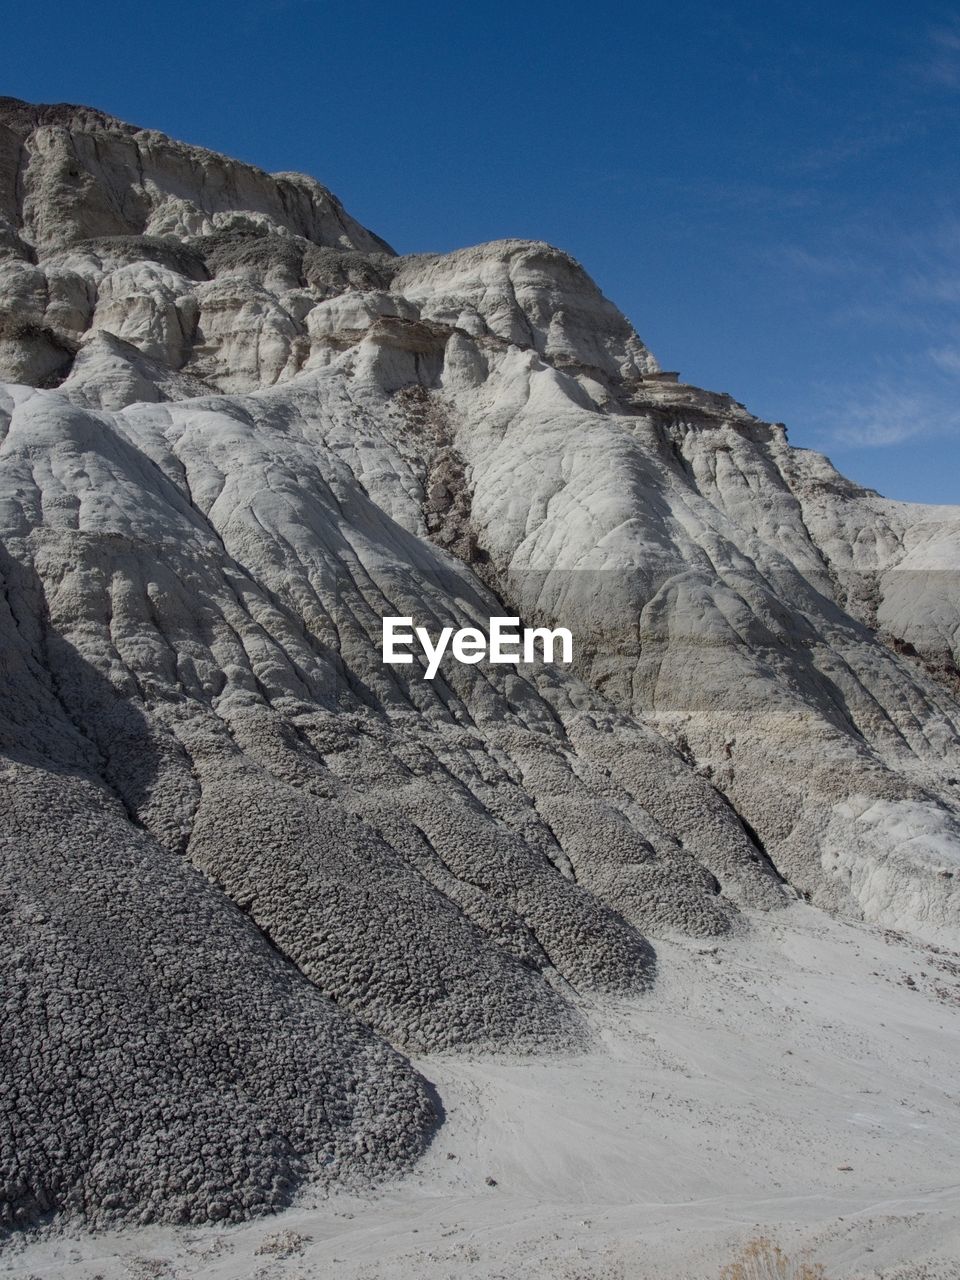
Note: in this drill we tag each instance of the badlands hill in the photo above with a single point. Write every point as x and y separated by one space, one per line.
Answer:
247 868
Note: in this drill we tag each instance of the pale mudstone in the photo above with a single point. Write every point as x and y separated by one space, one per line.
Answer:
249 432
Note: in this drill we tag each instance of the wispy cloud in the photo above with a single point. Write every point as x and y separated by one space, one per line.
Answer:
941 65
730 193
863 141
890 416
946 358
817 262
907 290
931 270
873 275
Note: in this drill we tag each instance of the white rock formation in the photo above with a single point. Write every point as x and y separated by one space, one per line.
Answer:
239 432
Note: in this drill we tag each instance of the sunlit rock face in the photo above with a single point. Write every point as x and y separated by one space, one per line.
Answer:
238 431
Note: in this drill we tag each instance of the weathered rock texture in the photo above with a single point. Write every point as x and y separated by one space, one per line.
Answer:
245 865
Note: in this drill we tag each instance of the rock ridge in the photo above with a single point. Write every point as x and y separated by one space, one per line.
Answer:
237 430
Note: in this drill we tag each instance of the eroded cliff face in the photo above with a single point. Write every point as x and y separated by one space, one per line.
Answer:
244 431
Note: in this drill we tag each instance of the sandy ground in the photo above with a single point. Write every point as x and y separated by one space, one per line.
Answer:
800 1081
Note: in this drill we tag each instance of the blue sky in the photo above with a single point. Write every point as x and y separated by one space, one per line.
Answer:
770 191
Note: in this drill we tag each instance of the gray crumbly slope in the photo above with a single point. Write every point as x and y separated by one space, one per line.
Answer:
239 431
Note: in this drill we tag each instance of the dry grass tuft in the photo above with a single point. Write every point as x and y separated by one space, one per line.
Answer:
763 1259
